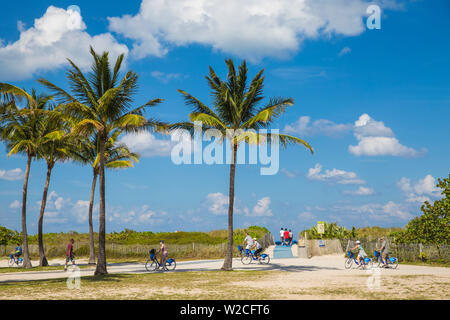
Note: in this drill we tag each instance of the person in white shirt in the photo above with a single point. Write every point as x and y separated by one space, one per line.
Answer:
290 237
258 248
282 236
249 241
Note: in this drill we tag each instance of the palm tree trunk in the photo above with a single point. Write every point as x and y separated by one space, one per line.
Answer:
101 261
42 259
26 252
91 227
228 262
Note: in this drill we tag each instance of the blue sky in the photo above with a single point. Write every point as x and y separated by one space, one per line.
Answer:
374 104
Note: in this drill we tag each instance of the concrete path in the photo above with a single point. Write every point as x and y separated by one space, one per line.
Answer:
282 252
317 268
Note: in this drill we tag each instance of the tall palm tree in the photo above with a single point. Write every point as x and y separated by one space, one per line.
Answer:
101 105
20 128
55 146
236 109
117 156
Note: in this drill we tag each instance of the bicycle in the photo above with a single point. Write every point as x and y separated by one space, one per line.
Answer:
249 256
389 261
12 261
351 258
153 263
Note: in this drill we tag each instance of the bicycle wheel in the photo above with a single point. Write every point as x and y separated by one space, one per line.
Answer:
265 259
171 265
246 259
348 263
150 265
395 264
11 263
20 263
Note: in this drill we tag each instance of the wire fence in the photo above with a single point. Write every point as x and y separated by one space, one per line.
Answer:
404 251
113 250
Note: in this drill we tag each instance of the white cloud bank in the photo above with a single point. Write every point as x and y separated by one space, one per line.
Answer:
57 35
251 29
335 175
422 190
11 175
374 138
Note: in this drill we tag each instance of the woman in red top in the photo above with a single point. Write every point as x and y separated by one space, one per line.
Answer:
286 236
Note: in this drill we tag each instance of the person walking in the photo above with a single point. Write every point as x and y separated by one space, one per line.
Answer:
291 236
69 254
286 236
282 236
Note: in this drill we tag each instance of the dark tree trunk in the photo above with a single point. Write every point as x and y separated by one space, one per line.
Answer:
101 260
91 227
228 262
42 259
26 252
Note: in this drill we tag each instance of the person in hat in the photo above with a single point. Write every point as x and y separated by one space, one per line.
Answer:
361 253
258 248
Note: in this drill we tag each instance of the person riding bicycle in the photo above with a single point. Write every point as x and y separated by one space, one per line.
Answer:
361 253
258 248
164 253
69 254
384 251
249 241
16 253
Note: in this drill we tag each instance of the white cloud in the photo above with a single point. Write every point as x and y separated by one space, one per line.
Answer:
361 191
11 175
166 77
304 127
252 29
217 203
57 35
306 216
148 145
375 139
344 51
16 204
335 175
423 190
261 209
81 210
289 174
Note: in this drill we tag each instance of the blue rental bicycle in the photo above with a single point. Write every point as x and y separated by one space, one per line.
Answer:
391 262
13 261
367 262
152 263
249 255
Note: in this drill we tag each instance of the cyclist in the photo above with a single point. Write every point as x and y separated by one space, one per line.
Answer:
361 253
69 254
163 250
258 248
249 241
384 251
16 253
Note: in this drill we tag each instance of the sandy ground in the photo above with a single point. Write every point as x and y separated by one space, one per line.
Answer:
319 277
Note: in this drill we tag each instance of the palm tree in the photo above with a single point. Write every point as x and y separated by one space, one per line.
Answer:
55 146
117 156
101 105
235 109
20 129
